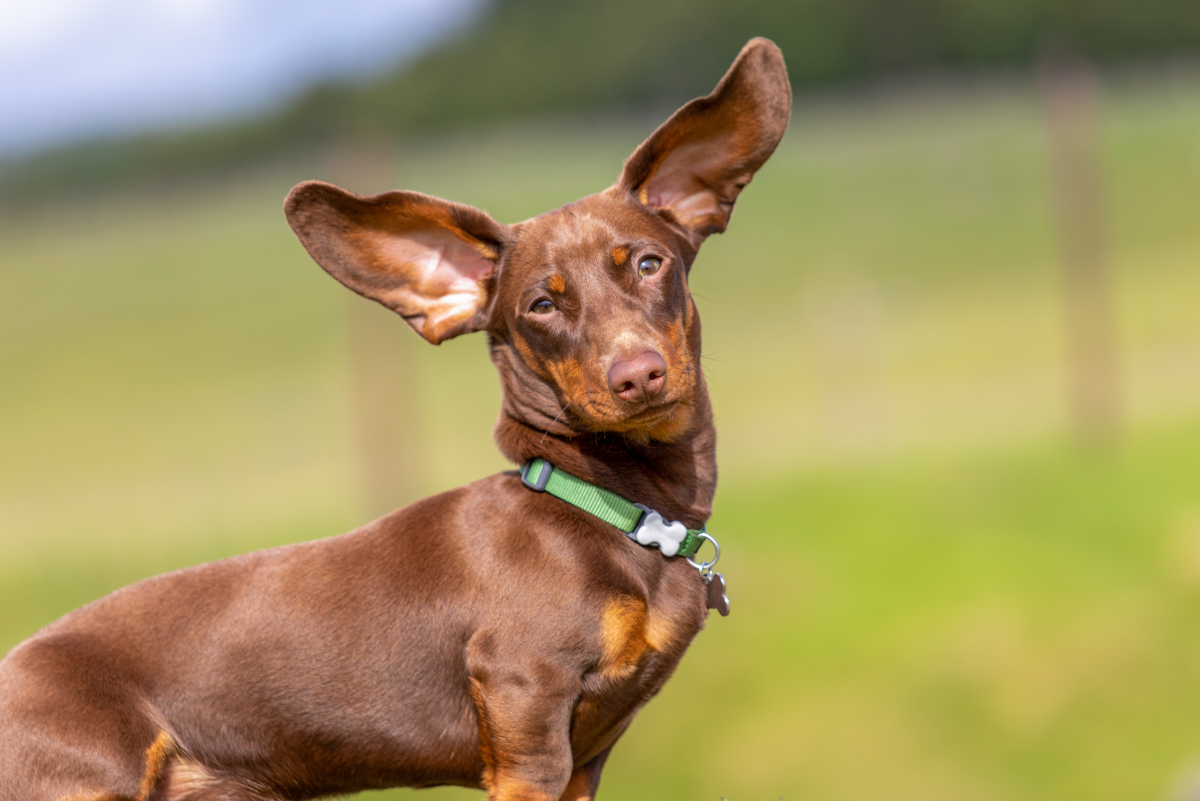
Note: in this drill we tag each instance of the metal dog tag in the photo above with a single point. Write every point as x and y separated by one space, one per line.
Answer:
716 594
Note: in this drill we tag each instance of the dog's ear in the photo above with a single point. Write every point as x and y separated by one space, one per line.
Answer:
698 161
431 261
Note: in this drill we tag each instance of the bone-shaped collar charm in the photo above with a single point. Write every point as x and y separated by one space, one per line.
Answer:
655 530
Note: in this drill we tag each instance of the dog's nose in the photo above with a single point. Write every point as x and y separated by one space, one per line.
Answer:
640 378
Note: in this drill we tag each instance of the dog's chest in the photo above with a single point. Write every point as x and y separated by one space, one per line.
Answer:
640 645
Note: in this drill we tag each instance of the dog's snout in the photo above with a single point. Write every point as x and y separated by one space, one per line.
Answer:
640 378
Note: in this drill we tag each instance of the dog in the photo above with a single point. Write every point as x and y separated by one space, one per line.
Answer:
501 635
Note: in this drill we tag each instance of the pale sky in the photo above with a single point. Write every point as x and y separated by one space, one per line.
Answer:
74 69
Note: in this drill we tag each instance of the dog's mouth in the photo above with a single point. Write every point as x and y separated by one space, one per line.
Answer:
661 419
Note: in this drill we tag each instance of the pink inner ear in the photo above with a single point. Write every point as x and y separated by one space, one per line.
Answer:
693 183
437 275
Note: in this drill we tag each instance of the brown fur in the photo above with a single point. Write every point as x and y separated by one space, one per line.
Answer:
489 636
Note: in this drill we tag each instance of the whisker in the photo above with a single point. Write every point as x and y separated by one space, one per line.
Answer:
546 433
707 299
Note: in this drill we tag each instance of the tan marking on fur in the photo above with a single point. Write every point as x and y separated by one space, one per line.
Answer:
623 636
518 791
486 751
579 788
620 255
527 353
556 283
501 785
675 425
160 751
568 375
497 779
659 632
677 336
665 426
587 715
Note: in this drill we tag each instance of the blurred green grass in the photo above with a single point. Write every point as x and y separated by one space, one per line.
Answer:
936 593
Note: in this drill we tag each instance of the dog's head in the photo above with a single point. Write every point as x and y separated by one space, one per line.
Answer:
587 307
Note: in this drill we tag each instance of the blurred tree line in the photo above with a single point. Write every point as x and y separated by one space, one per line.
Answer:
525 57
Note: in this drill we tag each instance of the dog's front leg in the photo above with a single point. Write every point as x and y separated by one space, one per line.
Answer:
524 729
585 779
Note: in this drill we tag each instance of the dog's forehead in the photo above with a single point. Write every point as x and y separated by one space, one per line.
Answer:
574 229
590 226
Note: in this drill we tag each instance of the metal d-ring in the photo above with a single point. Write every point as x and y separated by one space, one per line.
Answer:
705 568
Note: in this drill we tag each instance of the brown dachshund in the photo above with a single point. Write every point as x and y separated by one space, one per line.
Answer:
493 636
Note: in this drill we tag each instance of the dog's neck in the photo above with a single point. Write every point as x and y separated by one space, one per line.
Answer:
677 479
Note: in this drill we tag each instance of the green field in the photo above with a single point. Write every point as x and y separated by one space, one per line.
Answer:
937 592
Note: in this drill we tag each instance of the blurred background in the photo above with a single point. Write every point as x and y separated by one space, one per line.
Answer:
952 335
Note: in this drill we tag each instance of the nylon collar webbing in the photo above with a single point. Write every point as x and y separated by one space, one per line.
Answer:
540 475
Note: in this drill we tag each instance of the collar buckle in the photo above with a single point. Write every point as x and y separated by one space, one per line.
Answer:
543 474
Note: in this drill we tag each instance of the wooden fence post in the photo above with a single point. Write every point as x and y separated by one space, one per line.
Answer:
383 374
1070 92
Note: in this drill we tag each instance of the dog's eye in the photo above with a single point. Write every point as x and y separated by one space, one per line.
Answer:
543 306
649 266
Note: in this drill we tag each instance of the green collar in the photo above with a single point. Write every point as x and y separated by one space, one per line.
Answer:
640 523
